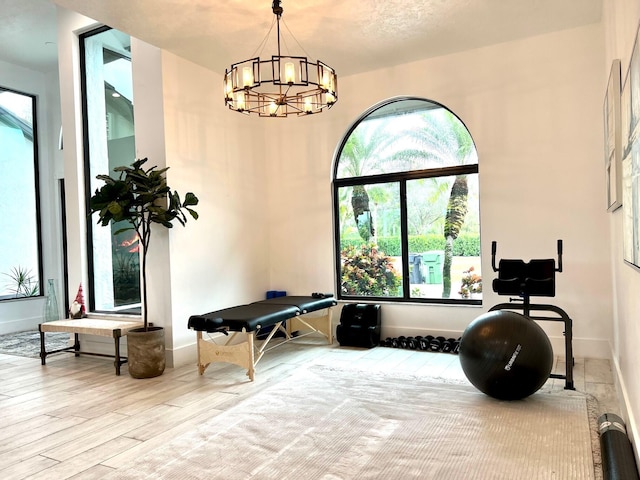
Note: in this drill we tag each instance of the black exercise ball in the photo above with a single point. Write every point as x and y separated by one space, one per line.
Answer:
506 355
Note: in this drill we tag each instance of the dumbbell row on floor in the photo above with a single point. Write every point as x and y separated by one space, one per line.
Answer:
428 343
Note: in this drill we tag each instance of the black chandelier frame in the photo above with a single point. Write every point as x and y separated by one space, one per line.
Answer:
281 86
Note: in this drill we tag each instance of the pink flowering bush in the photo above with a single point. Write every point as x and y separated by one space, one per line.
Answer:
471 283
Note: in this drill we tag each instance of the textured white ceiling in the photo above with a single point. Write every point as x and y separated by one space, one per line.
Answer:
350 35
28 34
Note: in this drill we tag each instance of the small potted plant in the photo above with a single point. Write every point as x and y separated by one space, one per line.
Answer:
471 284
142 197
22 282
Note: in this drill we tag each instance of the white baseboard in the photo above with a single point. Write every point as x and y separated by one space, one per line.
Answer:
412 332
20 325
177 357
585 347
101 345
582 347
185 355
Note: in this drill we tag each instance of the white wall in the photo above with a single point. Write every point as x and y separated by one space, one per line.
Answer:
620 18
26 314
533 108
221 259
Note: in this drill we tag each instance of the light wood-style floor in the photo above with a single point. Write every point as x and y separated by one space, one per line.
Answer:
73 418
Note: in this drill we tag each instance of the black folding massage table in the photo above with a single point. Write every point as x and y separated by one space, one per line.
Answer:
284 314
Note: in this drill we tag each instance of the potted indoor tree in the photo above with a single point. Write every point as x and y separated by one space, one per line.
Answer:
142 198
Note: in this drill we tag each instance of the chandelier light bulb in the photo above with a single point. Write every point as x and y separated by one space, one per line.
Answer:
289 73
247 77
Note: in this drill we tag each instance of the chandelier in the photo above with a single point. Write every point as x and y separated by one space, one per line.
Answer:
281 85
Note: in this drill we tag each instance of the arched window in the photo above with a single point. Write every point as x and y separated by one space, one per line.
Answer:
406 206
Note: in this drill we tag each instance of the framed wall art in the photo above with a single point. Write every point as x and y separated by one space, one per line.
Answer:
613 138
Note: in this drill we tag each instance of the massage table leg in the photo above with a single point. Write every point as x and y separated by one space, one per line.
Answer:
241 354
321 324
252 362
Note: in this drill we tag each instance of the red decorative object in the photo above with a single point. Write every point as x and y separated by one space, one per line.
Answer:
77 309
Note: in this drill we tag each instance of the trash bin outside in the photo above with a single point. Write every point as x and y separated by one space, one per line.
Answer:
432 266
416 272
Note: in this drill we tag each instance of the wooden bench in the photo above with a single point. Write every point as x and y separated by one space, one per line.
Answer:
86 326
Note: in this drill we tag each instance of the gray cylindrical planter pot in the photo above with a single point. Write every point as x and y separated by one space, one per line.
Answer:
145 352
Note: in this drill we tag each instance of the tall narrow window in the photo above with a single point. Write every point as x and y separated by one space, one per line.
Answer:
20 261
109 142
406 206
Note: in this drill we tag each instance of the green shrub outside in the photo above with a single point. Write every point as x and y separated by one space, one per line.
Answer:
463 246
366 270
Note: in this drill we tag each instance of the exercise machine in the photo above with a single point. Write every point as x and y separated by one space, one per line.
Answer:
536 278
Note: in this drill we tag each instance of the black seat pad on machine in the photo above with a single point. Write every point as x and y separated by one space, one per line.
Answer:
535 278
249 317
304 303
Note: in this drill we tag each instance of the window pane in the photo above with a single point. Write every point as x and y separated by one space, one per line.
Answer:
433 272
371 258
404 136
115 264
19 231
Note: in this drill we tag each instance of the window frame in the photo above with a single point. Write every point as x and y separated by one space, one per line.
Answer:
395 177
37 196
91 283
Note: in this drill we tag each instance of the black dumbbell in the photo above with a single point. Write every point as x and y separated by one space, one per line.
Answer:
447 345
418 339
394 343
413 344
456 346
402 341
436 344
